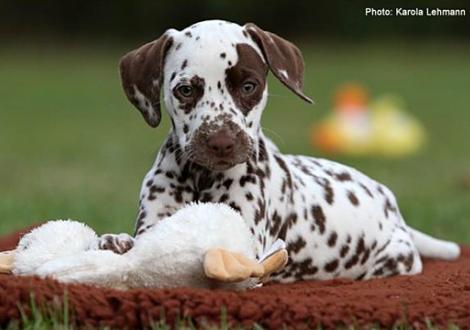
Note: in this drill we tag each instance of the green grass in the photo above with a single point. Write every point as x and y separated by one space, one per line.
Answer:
57 315
71 146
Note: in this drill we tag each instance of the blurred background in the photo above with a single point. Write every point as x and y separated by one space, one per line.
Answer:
71 146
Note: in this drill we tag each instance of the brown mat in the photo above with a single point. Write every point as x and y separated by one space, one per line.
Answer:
440 295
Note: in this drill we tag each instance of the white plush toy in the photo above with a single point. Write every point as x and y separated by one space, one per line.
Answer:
202 245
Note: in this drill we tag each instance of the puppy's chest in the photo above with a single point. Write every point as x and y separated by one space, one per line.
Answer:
237 190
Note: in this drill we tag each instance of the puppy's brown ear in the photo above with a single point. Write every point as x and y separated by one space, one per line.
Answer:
284 58
142 77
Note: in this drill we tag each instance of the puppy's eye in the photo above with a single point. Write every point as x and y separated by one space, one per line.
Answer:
185 90
248 87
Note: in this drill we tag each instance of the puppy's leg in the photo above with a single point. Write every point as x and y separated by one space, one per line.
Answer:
397 256
118 243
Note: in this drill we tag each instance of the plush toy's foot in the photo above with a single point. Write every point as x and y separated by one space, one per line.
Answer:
227 266
274 263
6 262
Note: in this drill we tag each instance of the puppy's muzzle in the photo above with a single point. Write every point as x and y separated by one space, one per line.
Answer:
220 148
221 144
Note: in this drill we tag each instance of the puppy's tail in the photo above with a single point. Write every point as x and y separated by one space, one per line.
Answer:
431 247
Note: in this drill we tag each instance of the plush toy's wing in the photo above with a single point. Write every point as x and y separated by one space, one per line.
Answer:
98 267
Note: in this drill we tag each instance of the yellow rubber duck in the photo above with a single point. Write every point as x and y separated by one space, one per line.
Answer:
396 133
357 128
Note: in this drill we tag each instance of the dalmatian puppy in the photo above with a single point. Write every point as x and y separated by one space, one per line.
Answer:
336 221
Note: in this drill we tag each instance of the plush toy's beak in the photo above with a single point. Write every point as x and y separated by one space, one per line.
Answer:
226 266
6 261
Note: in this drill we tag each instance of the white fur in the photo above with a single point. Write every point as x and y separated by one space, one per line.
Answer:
53 240
431 247
168 255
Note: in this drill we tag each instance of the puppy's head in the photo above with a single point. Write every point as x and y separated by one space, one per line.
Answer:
213 76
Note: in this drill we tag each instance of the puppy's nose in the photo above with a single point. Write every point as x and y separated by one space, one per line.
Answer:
221 144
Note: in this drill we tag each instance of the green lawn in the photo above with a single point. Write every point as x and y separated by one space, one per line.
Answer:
71 146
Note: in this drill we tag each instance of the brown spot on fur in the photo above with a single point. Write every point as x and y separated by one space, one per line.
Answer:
367 190
332 239
408 262
351 262
380 189
361 276
189 103
365 256
262 152
361 246
307 267
223 198
276 222
388 207
206 197
344 250
227 183
344 176
378 272
353 198
331 266
260 212
247 178
297 245
235 206
249 67
327 188
283 166
329 194
319 217
382 248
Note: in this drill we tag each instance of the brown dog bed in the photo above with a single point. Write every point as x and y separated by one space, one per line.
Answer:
440 296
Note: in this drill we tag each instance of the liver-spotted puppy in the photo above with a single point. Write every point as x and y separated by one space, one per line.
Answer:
336 221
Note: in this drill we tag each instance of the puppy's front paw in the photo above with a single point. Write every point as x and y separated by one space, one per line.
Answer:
119 244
